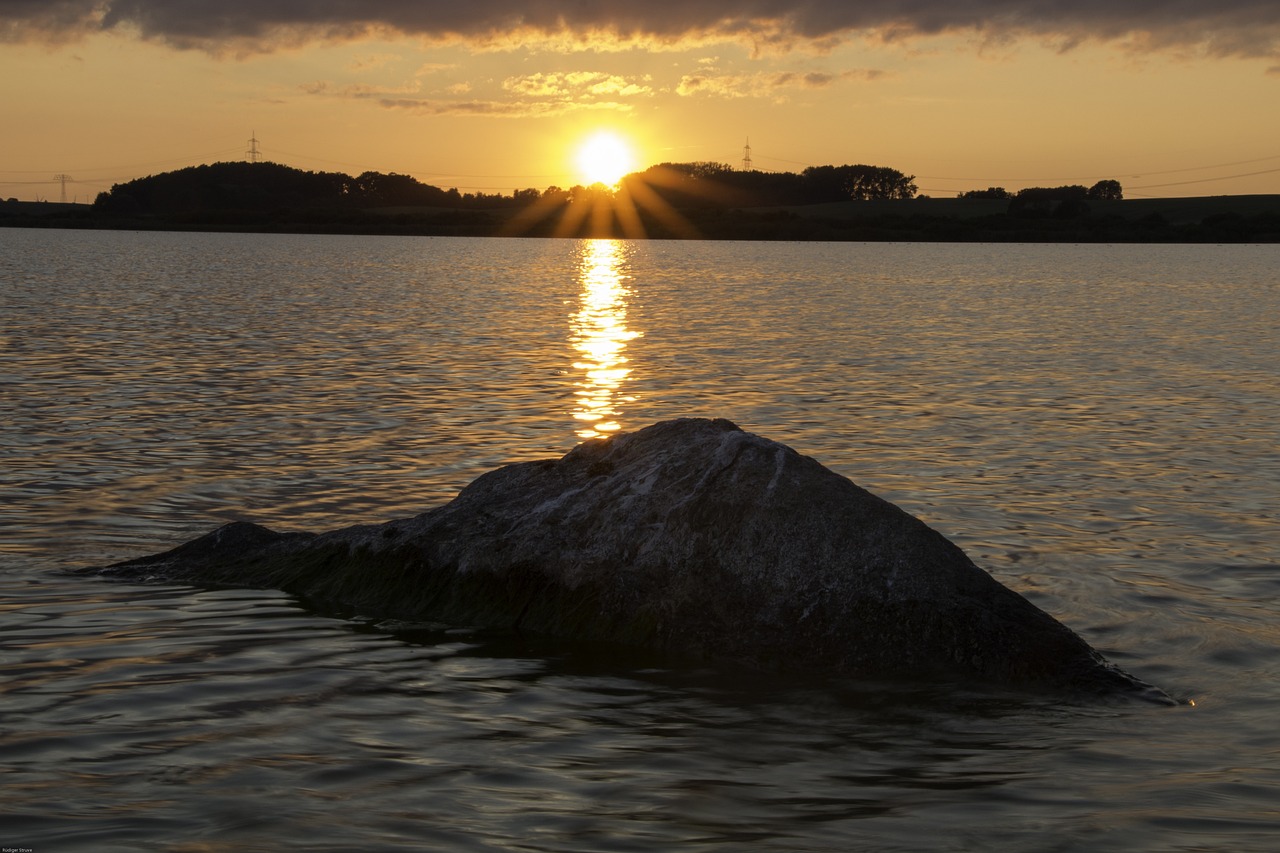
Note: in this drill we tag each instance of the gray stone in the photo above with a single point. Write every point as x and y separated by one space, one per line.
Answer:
690 536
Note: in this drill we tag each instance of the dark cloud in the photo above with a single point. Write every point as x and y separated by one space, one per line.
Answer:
1219 27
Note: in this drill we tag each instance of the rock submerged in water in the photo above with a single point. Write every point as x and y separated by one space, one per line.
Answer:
690 536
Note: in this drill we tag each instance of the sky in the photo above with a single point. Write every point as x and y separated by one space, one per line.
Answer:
1170 97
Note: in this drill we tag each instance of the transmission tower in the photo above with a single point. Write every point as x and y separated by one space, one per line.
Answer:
253 151
746 156
62 179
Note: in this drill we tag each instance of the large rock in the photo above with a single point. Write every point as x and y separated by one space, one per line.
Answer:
691 536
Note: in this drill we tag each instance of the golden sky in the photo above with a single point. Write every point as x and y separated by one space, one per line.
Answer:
493 95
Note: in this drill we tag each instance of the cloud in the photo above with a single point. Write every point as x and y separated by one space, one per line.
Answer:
766 84
577 84
539 94
534 95
496 109
369 62
1216 27
356 91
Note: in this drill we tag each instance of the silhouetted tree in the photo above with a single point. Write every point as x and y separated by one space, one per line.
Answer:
689 185
376 189
1106 191
861 183
990 192
1062 202
257 190
225 187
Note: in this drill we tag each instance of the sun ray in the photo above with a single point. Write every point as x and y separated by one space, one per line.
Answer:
636 194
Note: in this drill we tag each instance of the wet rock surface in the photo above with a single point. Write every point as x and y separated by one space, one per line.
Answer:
690 536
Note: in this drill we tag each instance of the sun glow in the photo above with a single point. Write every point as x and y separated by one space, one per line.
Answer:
603 158
600 335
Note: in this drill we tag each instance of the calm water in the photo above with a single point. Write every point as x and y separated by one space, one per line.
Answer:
1096 426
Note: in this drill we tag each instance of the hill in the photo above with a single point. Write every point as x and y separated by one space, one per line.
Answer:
710 201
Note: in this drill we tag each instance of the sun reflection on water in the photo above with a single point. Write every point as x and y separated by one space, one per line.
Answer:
600 336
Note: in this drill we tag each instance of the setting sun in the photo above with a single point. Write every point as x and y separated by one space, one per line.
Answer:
604 158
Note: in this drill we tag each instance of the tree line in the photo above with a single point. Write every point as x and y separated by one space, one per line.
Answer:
242 194
266 187
710 201
1107 190
707 184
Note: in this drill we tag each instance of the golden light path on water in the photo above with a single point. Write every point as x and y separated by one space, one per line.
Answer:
600 335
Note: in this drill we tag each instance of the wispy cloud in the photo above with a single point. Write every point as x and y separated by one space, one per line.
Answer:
357 91
436 68
370 62
494 108
578 84
1218 28
767 84
539 94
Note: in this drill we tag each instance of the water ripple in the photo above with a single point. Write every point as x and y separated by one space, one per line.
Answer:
1094 425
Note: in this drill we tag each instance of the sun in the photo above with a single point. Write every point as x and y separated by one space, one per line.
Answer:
604 158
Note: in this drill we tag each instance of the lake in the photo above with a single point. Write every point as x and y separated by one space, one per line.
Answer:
1094 425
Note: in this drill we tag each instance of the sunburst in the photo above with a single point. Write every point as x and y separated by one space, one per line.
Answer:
603 158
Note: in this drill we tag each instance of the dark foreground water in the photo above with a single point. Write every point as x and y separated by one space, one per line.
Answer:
1096 426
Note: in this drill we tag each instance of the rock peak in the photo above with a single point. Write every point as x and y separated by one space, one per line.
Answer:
690 535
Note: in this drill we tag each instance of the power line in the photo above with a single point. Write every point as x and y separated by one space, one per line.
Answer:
1217 166
430 174
255 154
115 168
362 167
1134 187
793 162
1205 180
1137 175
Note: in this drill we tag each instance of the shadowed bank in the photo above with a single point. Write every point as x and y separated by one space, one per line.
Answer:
690 536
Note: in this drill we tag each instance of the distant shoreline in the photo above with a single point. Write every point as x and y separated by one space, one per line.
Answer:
1205 219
